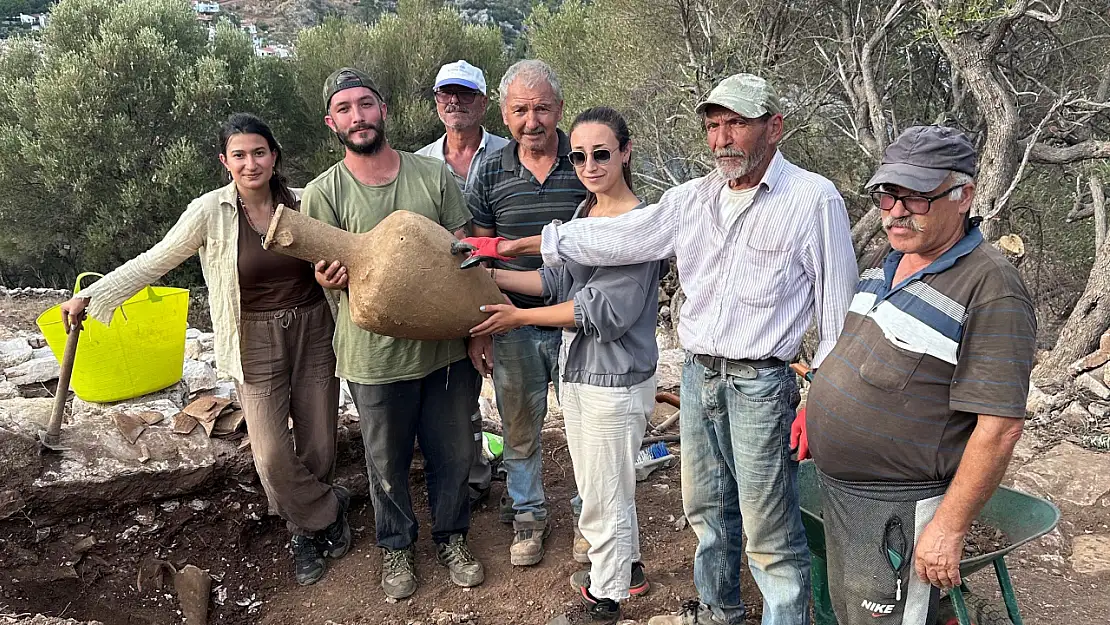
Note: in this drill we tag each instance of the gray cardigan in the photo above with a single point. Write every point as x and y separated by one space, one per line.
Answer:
615 312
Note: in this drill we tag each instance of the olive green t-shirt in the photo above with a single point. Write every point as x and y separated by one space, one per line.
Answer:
422 186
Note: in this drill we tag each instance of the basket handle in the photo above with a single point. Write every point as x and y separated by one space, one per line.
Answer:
77 285
150 294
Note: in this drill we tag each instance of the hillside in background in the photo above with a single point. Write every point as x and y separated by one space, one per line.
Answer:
281 19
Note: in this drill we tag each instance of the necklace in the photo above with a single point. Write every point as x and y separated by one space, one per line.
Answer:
261 233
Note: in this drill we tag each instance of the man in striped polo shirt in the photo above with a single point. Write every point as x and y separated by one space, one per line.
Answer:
763 249
530 183
914 415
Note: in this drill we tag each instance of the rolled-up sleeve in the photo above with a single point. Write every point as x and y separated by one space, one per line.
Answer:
182 241
830 261
635 237
613 300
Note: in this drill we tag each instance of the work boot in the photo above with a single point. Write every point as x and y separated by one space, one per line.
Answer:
581 549
466 570
398 572
638 585
693 612
592 611
506 513
335 539
308 562
527 547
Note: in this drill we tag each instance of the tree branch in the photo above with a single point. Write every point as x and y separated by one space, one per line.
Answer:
1098 203
1085 151
1001 204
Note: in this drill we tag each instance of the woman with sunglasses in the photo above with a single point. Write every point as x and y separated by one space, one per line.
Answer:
608 361
273 333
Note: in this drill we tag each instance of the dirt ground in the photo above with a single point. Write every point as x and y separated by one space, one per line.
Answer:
88 567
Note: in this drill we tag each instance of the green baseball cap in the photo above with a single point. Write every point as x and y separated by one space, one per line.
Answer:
746 94
348 78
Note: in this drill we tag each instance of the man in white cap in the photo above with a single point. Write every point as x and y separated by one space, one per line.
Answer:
460 94
763 250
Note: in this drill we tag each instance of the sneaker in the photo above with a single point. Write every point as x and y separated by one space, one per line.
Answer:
466 570
308 562
639 585
581 549
592 611
527 547
398 573
693 612
335 539
506 513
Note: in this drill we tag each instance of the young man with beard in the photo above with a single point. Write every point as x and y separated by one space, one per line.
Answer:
763 249
460 96
914 417
404 390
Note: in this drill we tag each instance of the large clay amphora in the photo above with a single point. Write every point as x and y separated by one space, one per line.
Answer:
403 280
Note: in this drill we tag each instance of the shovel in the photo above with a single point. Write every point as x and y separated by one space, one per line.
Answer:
51 439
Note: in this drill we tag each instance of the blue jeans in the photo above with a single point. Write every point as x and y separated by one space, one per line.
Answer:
738 478
525 361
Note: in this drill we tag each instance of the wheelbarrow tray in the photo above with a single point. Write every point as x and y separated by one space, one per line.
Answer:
1021 516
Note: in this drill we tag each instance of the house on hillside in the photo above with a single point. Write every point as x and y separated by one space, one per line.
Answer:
206 8
34 21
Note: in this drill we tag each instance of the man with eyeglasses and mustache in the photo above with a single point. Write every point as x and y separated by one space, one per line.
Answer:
460 96
403 389
763 249
914 415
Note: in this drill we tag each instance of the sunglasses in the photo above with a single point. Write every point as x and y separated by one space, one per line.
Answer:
601 157
465 97
915 204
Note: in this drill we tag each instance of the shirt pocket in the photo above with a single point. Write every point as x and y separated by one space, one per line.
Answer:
889 367
764 271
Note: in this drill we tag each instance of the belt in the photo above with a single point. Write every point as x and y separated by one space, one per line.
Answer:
741 368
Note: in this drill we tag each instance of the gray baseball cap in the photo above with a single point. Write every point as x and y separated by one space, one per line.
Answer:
923 156
746 94
348 78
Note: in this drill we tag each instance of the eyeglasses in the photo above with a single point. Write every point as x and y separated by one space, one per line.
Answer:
465 97
916 204
601 157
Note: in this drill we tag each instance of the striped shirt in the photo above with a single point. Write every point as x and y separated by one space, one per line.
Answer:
507 198
751 289
899 396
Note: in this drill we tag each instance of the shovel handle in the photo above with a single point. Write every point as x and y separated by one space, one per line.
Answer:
54 429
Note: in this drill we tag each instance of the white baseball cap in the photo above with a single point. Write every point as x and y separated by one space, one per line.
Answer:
463 74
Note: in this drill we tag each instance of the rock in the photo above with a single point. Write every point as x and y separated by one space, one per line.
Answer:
1054 475
33 371
1038 401
38 619
1026 449
193 349
8 390
42 352
14 352
32 414
36 341
1075 416
199 376
1088 383
1090 554
1096 359
668 374
1104 342
1098 409
10 503
192 333
168 401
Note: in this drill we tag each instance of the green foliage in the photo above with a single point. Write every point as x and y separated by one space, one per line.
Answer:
29 7
108 128
403 52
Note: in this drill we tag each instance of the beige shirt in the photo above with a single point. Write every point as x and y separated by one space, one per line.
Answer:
210 227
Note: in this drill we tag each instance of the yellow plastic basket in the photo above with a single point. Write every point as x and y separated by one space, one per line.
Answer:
142 351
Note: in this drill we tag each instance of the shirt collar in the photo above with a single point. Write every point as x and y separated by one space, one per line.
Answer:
510 161
963 247
438 150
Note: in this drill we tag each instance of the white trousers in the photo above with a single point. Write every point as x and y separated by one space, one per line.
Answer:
605 428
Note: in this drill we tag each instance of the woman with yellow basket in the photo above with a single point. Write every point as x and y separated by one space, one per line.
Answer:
273 333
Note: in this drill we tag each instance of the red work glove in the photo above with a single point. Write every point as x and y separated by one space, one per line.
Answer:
799 438
485 247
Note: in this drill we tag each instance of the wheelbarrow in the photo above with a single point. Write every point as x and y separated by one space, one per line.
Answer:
1021 516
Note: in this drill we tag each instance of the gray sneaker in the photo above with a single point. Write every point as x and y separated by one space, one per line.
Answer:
466 570
693 612
527 547
398 573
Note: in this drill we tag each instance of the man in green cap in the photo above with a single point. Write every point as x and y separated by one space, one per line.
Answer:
403 389
763 250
